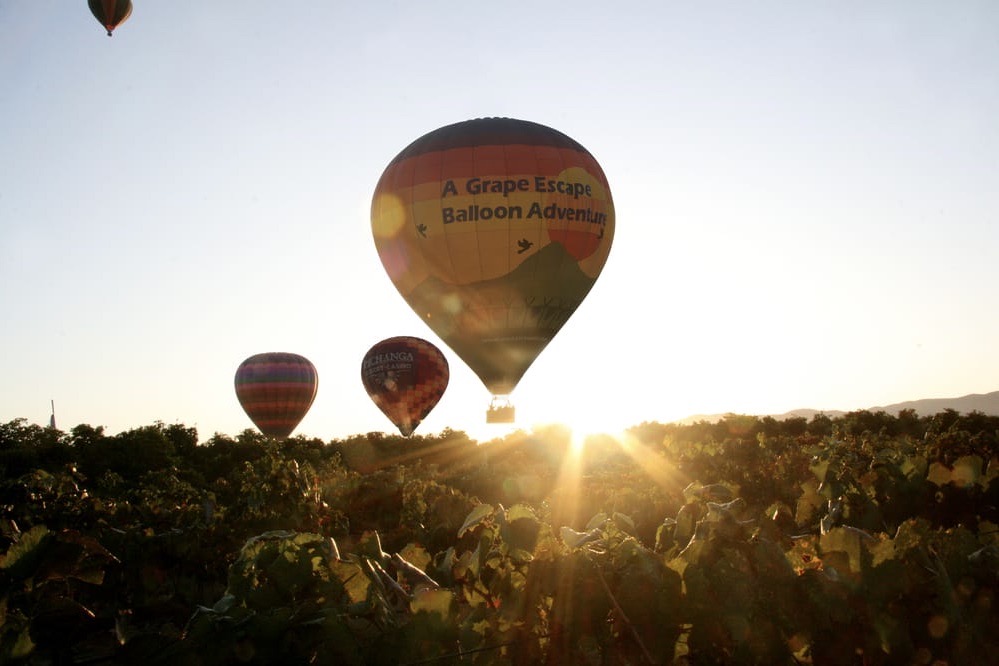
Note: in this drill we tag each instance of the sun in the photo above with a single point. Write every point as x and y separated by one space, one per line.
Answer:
581 452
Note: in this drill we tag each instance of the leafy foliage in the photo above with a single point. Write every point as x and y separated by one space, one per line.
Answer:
868 538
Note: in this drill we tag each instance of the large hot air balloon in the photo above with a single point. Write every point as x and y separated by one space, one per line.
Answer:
276 390
405 377
494 230
110 13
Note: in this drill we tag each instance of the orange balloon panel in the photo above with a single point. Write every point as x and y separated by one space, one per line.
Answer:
405 377
494 230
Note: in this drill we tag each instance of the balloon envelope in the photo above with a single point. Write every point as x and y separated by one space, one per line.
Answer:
405 377
494 230
110 13
276 390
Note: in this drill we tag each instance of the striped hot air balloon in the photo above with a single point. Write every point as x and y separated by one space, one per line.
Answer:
276 390
405 377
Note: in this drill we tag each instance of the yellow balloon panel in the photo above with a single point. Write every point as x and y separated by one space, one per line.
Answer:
494 230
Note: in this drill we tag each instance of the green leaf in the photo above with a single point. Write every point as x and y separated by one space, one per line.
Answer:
437 601
477 515
23 646
353 579
686 522
20 556
804 553
912 534
716 492
819 469
809 504
521 556
370 545
85 558
913 467
520 530
272 535
988 532
597 521
939 474
518 511
849 540
463 564
574 539
416 555
967 471
624 523
225 604
882 551
692 491
474 628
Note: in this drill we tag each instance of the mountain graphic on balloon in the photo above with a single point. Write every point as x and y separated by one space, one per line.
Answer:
499 326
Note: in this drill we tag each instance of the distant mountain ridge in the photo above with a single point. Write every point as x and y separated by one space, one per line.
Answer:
986 403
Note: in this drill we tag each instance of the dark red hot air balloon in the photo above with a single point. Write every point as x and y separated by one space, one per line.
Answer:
110 13
405 377
276 390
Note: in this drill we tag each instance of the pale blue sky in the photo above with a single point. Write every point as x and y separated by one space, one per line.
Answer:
807 200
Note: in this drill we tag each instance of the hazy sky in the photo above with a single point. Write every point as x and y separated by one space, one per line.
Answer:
807 198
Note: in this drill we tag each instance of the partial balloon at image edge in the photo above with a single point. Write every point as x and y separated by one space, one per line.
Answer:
110 13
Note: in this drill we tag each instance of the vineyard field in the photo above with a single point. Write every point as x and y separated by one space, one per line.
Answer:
864 538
